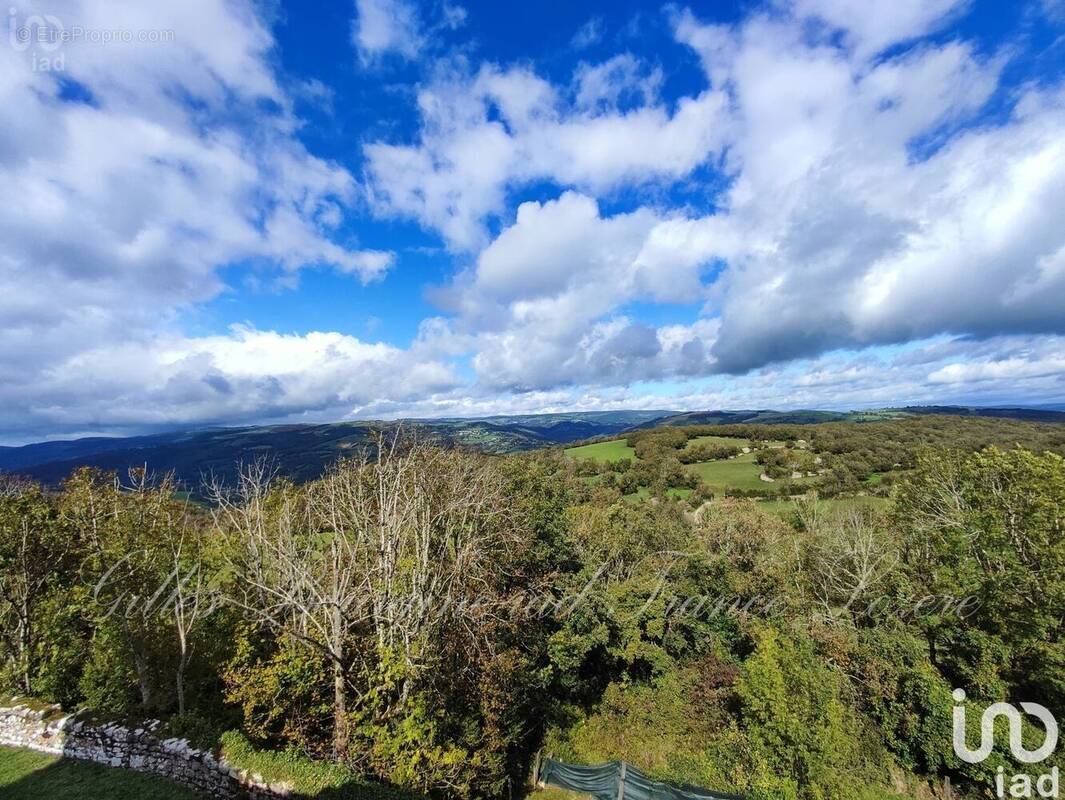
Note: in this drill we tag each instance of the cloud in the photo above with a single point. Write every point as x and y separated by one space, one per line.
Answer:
844 379
588 34
1002 370
484 134
171 161
541 306
849 237
392 26
623 77
558 245
860 203
244 376
829 216
453 16
871 27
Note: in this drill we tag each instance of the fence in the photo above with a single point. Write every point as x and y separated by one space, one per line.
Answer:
618 780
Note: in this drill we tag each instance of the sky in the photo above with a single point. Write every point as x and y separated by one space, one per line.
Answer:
219 212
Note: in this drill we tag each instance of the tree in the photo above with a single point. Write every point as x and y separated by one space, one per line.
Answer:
989 526
33 548
849 554
385 552
129 530
297 582
190 600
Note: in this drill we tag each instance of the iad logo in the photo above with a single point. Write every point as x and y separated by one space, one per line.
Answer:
42 35
987 731
1022 784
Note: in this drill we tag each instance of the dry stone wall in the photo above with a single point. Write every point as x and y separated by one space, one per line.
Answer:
132 746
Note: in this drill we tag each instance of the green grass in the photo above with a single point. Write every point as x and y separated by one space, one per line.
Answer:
556 793
642 493
613 450
27 775
740 472
310 779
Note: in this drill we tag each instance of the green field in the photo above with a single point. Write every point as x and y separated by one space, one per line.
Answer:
740 472
26 775
614 450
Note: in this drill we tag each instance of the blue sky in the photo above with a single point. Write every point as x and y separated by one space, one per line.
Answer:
233 212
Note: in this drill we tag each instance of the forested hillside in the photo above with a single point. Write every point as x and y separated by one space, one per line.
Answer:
301 452
431 618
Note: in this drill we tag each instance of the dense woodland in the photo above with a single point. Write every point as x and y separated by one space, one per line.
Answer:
433 618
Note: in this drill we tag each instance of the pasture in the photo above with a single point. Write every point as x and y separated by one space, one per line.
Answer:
740 472
613 450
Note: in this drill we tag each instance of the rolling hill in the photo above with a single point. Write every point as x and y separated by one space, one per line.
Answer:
814 416
303 451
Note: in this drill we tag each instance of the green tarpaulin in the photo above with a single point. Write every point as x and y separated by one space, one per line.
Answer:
620 781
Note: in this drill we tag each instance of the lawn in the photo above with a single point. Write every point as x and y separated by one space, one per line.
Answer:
740 472
614 450
555 793
27 775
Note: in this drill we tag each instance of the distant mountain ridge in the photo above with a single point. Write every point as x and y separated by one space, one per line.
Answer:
760 416
814 416
303 451
1033 414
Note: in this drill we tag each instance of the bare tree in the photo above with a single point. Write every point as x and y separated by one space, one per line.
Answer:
384 551
190 601
12 485
292 580
426 525
850 555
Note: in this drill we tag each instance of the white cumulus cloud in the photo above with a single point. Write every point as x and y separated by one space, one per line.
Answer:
386 26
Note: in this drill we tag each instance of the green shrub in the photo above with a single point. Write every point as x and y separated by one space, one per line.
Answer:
307 777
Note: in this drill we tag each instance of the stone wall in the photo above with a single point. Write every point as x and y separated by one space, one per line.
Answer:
49 730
